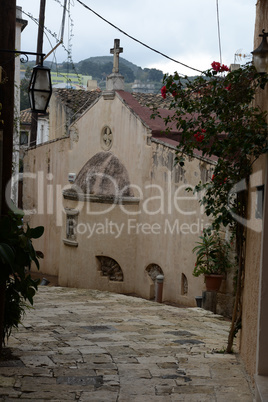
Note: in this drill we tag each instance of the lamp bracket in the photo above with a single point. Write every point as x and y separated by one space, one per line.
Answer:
24 55
263 34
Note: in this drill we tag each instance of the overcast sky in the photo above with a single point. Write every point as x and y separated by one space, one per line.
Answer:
185 30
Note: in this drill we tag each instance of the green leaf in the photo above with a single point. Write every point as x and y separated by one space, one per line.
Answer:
35 233
7 254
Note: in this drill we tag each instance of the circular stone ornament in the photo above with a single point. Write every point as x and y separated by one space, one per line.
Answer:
106 138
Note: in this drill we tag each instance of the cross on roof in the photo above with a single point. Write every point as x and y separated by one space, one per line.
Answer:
116 51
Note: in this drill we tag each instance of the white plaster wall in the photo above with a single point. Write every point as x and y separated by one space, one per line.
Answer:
44 178
151 170
129 138
42 130
16 134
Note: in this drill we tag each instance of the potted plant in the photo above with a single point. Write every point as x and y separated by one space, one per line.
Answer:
213 260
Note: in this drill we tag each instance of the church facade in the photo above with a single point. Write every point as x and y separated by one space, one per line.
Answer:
114 203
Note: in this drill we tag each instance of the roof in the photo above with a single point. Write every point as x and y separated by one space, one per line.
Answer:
141 104
77 100
152 100
145 110
81 99
26 116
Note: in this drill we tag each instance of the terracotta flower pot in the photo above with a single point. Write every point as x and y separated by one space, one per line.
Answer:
213 282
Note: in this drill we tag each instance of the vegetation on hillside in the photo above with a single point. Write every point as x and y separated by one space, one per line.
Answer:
98 68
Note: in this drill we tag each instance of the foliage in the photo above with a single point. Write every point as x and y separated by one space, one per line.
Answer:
212 254
99 68
216 115
24 98
16 254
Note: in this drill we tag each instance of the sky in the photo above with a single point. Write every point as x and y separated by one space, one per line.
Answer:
185 30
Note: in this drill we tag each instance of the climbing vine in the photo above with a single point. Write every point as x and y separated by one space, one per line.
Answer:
215 113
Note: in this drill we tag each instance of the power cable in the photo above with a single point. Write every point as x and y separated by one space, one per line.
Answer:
37 23
136 40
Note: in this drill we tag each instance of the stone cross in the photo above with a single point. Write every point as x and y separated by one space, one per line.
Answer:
116 51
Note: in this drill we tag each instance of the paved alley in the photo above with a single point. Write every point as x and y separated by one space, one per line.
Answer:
85 345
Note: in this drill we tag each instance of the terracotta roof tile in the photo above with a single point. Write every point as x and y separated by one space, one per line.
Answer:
152 100
25 116
77 99
157 125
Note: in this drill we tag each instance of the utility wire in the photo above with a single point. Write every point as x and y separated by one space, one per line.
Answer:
136 40
37 23
219 33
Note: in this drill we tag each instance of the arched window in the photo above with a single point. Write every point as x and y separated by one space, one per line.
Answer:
110 268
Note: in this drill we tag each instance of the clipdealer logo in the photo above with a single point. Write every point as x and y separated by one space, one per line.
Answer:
134 227
153 200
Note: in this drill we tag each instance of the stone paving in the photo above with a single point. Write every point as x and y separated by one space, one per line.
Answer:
84 345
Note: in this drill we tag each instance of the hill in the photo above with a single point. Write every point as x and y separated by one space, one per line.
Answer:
146 79
109 59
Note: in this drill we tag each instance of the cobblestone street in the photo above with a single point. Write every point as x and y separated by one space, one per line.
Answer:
84 345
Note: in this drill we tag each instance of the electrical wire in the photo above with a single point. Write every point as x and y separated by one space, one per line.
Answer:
37 23
136 40
219 34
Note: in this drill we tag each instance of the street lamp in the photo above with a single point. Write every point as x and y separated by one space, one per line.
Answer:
260 55
40 89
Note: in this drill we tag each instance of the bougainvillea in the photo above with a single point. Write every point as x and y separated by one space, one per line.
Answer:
164 92
218 67
215 114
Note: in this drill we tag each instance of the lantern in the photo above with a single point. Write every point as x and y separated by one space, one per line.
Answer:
260 55
40 89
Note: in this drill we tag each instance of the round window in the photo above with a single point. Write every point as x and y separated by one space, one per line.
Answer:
106 138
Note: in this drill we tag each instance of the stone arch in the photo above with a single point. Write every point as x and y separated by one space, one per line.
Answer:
152 271
184 285
104 175
110 268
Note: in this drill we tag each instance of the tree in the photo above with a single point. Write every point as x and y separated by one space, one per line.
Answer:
155 75
24 99
127 73
216 115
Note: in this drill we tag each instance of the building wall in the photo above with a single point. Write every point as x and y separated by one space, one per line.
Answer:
248 344
44 178
57 119
248 341
160 230
16 134
42 130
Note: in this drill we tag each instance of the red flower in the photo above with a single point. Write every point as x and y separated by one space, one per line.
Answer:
218 67
198 136
224 68
213 177
164 92
228 88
